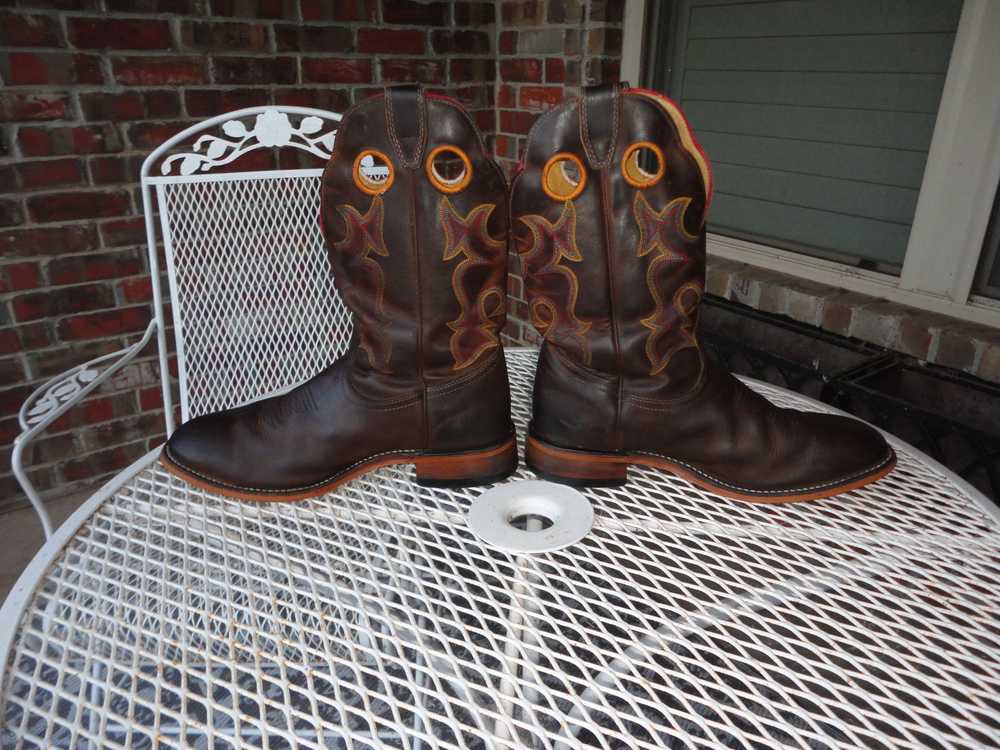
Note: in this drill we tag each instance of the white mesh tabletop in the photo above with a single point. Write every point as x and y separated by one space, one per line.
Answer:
372 617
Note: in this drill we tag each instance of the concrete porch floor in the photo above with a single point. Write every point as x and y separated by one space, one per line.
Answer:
22 535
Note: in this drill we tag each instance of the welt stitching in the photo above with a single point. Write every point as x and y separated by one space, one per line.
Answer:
722 483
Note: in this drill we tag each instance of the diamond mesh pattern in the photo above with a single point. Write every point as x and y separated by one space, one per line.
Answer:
252 285
372 617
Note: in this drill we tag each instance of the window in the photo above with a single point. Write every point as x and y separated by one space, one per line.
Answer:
856 143
817 116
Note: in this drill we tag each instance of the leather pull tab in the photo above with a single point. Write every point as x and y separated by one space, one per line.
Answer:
406 121
600 118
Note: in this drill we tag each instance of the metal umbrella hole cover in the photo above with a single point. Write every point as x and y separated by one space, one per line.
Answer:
531 516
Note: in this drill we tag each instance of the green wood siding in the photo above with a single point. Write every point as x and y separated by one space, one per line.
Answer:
816 114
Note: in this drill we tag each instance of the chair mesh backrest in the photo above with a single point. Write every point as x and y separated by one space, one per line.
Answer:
251 285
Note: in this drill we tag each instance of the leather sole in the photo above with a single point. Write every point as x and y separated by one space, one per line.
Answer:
585 469
459 469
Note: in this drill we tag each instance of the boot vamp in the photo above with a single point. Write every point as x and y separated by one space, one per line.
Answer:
738 439
303 438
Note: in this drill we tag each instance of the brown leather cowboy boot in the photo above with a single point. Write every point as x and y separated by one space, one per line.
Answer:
415 215
609 218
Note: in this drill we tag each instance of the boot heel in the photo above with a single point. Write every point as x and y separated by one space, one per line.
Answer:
467 469
577 468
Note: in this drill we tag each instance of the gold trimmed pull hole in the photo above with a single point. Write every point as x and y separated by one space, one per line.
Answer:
449 169
373 172
643 164
563 177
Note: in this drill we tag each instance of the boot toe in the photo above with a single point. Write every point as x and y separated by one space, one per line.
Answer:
201 447
847 451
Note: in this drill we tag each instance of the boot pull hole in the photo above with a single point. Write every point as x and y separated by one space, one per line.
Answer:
643 164
449 169
563 177
373 172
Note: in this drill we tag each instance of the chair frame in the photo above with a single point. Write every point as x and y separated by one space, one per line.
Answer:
272 129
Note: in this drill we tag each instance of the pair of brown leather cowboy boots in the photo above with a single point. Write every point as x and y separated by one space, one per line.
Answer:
608 215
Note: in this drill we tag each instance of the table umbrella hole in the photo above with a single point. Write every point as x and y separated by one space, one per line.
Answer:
531 516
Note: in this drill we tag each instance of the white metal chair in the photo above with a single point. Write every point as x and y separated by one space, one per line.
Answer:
251 297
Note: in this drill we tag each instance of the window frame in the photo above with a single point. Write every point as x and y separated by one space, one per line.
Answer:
956 194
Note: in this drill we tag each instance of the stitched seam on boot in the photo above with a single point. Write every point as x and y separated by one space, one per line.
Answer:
729 485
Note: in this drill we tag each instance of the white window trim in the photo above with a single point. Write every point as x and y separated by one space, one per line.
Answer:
956 194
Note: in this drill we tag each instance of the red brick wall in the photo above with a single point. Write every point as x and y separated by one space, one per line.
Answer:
90 86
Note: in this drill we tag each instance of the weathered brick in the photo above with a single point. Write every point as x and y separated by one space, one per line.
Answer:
29 30
146 136
471 69
516 121
11 213
335 100
114 170
602 70
159 71
137 289
555 70
177 7
151 398
540 97
989 363
604 41
719 275
508 42
210 102
122 232
563 11
339 10
65 140
878 323
16 277
461 41
953 345
336 70
609 11
474 13
77 238
22 107
250 70
838 312
540 41
70 300
22 338
50 173
119 33
74 269
55 68
130 105
523 13
105 323
55 207
528 70
269 9
395 70
412 12
228 36
326 39
391 41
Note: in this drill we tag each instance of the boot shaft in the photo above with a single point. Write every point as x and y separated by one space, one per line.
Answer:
419 252
608 218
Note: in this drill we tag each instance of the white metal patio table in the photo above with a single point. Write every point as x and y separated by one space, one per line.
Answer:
161 615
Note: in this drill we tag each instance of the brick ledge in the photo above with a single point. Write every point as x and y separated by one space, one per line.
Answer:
927 336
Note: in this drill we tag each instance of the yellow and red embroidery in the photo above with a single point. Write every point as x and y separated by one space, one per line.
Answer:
364 241
475 330
553 305
663 234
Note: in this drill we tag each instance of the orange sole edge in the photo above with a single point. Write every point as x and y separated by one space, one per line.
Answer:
582 468
435 470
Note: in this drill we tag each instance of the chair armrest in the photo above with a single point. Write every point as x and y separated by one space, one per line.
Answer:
54 398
